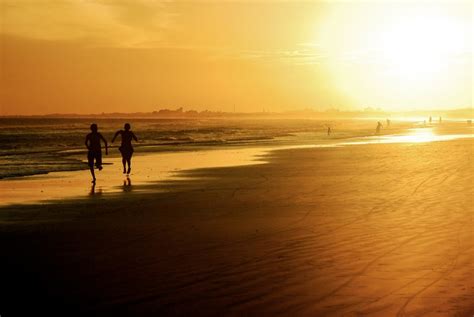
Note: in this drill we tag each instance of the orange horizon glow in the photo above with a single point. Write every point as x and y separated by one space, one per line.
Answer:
129 56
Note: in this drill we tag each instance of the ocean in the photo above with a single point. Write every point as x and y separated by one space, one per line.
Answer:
30 146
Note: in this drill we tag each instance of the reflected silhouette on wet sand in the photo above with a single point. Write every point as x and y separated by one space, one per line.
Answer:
94 192
127 184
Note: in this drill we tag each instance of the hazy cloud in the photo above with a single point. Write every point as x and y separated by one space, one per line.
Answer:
301 56
116 23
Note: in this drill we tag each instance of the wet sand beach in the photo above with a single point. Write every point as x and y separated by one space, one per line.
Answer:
366 230
152 167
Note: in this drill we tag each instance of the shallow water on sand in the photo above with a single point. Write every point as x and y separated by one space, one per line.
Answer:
151 168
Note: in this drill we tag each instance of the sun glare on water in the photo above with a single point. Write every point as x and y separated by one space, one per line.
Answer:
413 136
422 135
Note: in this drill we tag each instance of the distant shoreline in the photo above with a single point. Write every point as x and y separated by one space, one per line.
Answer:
180 113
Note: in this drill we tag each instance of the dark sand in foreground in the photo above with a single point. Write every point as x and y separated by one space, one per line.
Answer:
370 230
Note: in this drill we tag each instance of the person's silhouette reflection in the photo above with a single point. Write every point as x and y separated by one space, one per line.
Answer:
94 191
127 185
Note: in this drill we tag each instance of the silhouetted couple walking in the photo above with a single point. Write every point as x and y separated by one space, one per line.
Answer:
93 144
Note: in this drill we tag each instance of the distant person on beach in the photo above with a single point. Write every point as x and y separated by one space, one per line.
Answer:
126 148
95 150
329 131
431 120
388 123
378 128
440 120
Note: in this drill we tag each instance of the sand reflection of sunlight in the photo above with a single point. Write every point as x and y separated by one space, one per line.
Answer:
417 135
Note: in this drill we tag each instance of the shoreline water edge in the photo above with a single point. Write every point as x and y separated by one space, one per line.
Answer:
165 165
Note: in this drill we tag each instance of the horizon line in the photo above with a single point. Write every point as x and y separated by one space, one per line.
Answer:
206 113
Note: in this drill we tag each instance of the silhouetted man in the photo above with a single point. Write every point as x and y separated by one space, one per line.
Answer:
378 128
95 150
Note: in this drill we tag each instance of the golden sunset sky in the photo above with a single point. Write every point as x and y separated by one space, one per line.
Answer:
143 55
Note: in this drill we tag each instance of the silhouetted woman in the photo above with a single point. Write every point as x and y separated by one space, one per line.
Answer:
126 148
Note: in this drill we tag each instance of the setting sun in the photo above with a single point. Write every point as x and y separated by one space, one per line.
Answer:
400 56
418 47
